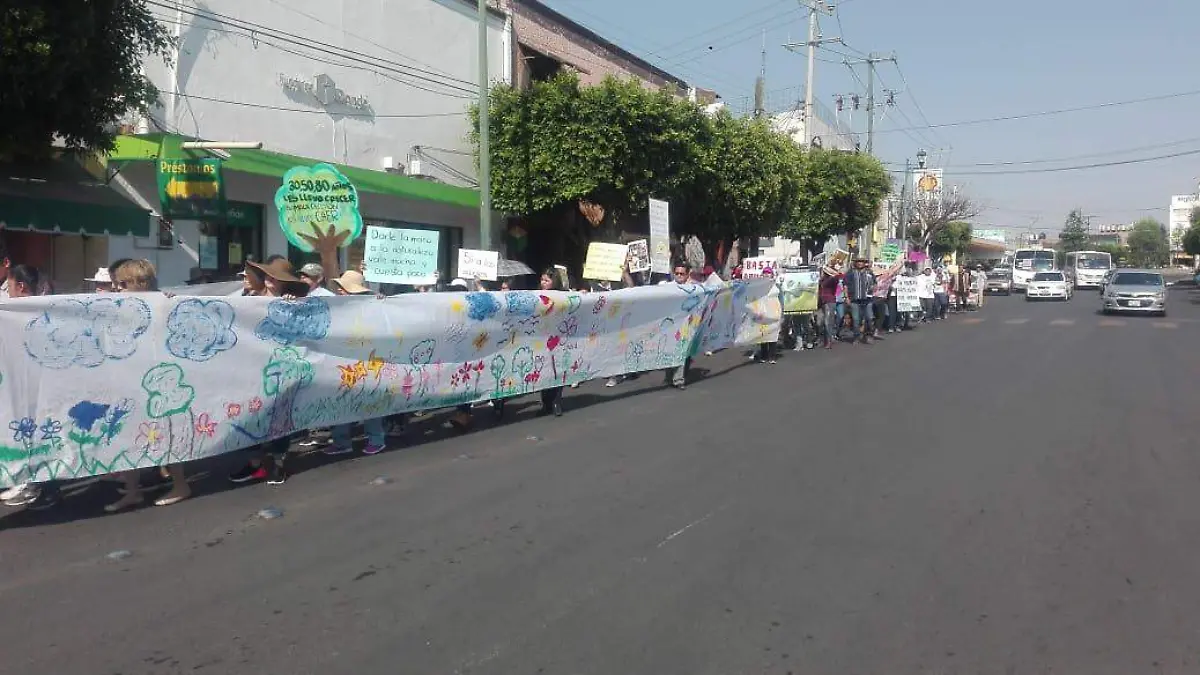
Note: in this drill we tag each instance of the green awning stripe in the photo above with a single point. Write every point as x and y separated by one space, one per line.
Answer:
66 217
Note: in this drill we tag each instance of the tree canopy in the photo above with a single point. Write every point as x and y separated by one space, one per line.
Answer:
1074 235
1148 243
617 144
71 69
955 237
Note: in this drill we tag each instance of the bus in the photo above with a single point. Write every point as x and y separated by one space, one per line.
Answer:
1028 262
1086 269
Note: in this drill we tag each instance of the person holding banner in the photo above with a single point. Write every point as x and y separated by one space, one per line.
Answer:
885 299
552 397
832 294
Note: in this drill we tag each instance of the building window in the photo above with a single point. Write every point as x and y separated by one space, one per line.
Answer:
766 242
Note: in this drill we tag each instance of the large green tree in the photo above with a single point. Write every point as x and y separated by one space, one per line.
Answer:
1148 243
954 238
837 193
1074 235
71 69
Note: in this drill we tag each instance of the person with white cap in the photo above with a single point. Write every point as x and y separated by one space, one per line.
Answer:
101 281
314 275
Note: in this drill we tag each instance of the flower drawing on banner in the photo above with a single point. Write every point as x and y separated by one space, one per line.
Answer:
352 374
574 302
51 429
482 306
391 371
85 414
552 342
233 410
205 426
547 306
149 437
569 327
375 366
600 303
114 420
480 340
256 404
23 429
422 353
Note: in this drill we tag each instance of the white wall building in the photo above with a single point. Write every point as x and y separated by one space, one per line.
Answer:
1180 217
362 83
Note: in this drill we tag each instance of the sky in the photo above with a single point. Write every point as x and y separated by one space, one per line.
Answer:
964 61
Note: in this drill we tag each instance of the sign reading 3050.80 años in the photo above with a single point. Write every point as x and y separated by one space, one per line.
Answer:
314 199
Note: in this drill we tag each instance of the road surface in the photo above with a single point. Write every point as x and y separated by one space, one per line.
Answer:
1013 491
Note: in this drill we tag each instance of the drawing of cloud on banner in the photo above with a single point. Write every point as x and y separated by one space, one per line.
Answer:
291 321
87 332
198 330
482 306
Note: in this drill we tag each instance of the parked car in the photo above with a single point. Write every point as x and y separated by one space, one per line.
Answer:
1048 285
1137 291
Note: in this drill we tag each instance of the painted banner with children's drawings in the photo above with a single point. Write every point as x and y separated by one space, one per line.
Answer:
93 384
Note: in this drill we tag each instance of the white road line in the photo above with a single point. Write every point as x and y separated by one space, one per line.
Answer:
1016 322
689 526
1063 322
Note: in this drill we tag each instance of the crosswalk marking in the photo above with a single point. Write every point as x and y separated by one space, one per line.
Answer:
1063 322
1016 322
1165 324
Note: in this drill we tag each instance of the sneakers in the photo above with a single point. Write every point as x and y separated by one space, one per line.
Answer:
373 449
334 450
276 475
249 473
21 495
45 499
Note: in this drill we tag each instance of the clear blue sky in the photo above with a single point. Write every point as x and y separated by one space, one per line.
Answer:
969 60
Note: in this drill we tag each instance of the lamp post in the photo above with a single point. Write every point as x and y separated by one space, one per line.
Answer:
485 157
921 157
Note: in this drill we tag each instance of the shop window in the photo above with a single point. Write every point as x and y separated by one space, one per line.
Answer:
225 246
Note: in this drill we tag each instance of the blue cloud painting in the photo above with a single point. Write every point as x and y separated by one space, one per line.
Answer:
291 321
86 333
198 330
482 306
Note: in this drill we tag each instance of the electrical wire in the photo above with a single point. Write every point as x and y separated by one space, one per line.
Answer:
309 111
1049 113
738 37
1055 160
321 47
912 97
1082 167
661 51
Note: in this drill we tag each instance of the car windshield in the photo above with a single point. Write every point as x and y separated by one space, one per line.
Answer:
1137 279
1093 263
998 274
1048 276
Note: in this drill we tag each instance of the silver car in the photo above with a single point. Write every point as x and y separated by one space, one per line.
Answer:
1140 291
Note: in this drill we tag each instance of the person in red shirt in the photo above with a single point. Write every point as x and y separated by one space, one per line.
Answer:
832 297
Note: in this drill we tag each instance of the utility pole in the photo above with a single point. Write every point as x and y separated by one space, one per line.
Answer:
485 149
814 41
872 59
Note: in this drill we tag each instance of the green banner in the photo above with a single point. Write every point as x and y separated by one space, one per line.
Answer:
191 189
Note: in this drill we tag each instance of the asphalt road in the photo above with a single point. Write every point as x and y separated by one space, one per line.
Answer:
1013 491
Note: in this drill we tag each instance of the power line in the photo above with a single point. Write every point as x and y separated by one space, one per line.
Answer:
309 111
1055 160
715 29
742 35
1081 167
1048 113
321 47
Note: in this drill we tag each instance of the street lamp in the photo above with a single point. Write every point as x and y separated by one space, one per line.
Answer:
921 156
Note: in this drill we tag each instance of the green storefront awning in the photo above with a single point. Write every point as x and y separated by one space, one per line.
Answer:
61 197
275 165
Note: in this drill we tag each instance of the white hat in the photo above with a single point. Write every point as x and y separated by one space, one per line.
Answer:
460 283
101 277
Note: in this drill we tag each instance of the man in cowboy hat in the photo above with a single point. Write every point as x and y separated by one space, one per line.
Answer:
860 293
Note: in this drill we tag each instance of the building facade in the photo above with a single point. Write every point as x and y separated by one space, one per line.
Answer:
1179 220
375 87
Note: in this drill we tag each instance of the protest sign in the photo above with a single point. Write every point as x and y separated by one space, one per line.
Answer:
605 261
639 256
890 252
660 236
96 384
399 256
752 268
473 264
313 199
798 291
907 299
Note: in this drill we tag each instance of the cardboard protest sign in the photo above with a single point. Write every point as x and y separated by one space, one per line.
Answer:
473 264
752 268
399 256
605 262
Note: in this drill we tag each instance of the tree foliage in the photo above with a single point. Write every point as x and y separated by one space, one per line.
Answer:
1074 235
954 238
1191 240
837 193
611 147
71 69
1148 243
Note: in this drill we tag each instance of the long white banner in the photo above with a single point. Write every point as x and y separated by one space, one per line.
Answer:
92 384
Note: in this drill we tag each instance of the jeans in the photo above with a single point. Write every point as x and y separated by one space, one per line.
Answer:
893 313
860 313
927 308
881 314
942 302
677 377
375 434
549 396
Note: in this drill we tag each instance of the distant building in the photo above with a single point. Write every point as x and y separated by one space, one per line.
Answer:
1180 219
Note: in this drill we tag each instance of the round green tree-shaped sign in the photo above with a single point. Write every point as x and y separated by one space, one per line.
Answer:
317 201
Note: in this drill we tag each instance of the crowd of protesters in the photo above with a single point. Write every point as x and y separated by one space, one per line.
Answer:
860 299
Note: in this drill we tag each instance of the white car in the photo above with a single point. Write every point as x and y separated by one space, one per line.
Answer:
1045 285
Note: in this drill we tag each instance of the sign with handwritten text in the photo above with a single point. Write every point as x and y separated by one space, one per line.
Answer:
314 199
399 256
660 236
752 268
605 261
474 264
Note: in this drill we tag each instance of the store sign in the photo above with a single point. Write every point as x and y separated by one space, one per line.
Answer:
191 189
317 201
322 89
927 183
